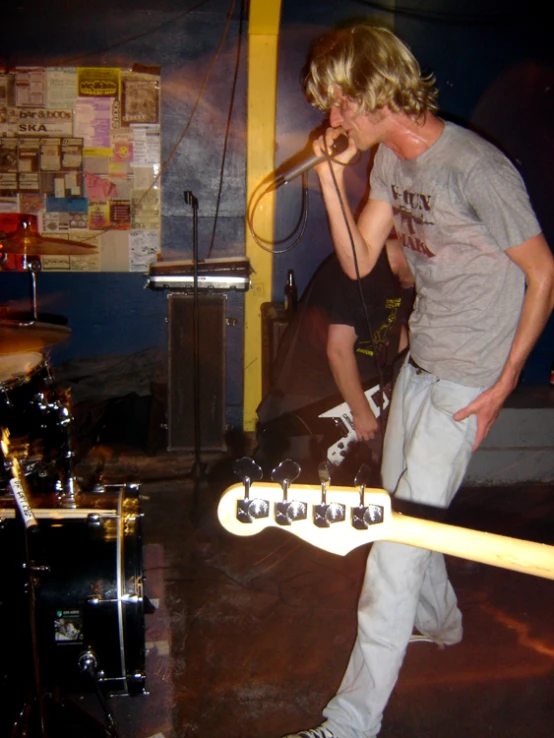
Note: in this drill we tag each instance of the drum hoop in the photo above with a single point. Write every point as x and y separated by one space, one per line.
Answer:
53 513
119 575
21 372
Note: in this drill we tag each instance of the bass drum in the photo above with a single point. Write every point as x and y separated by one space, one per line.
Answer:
89 606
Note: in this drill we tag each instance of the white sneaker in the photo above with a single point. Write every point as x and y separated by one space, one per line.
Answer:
441 640
320 732
418 638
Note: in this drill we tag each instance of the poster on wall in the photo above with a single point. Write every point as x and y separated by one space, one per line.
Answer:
79 153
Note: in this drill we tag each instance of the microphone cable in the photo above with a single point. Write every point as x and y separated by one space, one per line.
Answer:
272 184
363 303
301 223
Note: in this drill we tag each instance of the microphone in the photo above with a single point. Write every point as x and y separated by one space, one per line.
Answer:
300 163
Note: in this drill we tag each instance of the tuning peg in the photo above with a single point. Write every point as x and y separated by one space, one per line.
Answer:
286 472
324 473
249 510
286 512
247 471
325 514
363 478
365 515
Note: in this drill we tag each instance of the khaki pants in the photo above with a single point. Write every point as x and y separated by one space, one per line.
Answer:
425 457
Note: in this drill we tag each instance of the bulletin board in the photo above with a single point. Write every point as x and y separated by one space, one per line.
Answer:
80 158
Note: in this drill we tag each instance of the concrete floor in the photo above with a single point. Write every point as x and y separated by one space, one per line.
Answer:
251 635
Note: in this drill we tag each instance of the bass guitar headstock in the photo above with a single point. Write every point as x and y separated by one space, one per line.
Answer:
334 518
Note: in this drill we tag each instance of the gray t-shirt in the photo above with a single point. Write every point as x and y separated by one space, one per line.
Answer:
457 208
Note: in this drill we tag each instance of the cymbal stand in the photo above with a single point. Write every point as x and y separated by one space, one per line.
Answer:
33 265
18 484
68 488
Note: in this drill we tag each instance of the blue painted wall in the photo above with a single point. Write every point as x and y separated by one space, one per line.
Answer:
494 67
112 313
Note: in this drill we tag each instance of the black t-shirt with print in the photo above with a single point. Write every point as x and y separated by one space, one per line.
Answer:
301 372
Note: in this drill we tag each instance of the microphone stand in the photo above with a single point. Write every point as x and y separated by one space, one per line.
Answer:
197 472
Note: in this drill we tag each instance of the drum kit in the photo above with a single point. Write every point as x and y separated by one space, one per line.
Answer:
71 595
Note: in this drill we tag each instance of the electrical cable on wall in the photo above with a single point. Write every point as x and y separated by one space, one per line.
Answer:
515 17
130 39
228 126
203 86
186 127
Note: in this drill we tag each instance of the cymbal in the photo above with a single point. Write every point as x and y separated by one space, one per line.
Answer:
33 244
17 337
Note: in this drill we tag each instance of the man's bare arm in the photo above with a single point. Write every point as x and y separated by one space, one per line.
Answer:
537 262
374 224
342 360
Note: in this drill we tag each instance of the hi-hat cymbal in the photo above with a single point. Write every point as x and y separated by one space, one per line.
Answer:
17 337
32 244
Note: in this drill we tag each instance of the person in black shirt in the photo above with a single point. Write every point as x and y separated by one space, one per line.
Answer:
337 349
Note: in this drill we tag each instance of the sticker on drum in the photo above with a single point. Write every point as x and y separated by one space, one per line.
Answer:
68 626
89 598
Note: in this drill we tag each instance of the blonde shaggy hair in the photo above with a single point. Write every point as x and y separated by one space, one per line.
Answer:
371 67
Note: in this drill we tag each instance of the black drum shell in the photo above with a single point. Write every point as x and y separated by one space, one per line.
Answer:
88 590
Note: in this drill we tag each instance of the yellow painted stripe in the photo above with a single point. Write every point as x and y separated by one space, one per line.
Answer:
264 17
263 38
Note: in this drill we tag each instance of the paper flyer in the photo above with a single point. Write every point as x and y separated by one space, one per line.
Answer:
45 122
140 98
120 214
10 205
143 249
8 165
146 144
98 214
98 187
60 263
61 87
145 209
80 148
98 81
92 122
31 203
30 88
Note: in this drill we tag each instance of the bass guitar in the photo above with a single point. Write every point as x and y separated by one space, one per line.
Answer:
339 519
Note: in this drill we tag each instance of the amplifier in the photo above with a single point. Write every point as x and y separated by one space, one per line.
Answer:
211 356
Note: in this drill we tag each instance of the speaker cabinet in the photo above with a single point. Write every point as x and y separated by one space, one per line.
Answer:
211 363
274 323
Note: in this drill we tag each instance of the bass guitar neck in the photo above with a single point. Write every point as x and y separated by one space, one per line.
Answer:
347 518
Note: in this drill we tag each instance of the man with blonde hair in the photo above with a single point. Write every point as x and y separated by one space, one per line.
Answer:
484 278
